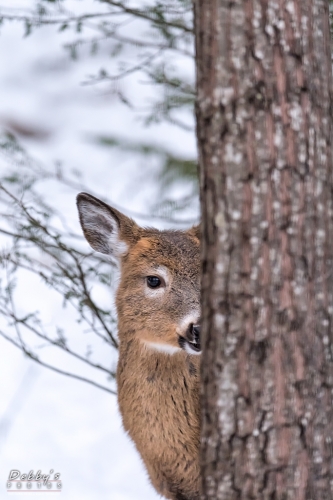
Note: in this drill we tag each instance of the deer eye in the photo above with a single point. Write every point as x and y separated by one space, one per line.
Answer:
153 281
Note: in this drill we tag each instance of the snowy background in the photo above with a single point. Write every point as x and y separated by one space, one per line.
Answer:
48 421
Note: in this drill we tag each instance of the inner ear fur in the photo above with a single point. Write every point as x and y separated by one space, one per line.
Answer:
106 229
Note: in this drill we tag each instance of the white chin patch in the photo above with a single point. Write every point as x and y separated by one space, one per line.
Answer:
189 350
160 347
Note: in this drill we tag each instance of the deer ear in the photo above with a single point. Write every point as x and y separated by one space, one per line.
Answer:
106 229
195 231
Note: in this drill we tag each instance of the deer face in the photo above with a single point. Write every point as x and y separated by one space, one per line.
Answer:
160 289
158 299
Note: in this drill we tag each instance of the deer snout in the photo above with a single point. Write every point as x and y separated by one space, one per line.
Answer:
191 340
193 334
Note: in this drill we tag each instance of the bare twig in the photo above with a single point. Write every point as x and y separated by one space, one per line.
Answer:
53 368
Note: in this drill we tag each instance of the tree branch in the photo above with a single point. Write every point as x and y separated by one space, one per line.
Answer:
53 368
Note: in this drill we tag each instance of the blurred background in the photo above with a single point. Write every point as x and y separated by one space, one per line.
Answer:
95 96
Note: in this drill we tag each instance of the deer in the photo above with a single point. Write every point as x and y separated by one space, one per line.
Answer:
158 314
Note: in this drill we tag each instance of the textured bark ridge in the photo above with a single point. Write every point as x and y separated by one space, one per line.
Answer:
264 114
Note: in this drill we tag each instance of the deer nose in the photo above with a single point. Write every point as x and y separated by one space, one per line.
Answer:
195 330
191 342
193 333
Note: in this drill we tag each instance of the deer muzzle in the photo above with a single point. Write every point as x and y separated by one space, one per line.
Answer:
190 342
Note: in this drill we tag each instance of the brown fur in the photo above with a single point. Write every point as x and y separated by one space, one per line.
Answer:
159 402
158 392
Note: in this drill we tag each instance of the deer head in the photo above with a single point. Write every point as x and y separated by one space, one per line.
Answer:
158 298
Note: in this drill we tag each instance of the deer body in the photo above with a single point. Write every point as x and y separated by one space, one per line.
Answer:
160 410
158 368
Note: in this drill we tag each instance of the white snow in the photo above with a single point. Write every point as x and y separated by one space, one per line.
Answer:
48 421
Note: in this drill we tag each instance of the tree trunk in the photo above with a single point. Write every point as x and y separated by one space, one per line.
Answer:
264 125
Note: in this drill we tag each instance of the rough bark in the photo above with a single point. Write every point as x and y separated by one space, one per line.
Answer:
264 125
